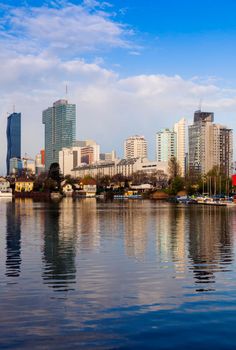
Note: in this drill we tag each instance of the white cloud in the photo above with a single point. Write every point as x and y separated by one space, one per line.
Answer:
40 53
66 30
109 108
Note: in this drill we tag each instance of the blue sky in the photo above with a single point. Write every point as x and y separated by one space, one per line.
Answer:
132 66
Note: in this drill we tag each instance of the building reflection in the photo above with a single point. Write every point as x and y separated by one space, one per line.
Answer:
135 222
13 240
210 243
171 236
88 227
59 250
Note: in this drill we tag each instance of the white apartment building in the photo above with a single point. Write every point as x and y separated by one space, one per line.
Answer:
135 147
180 130
165 145
125 167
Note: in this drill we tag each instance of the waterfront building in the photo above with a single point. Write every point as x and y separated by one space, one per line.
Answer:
125 167
4 185
60 129
13 138
165 145
24 185
135 147
180 130
210 145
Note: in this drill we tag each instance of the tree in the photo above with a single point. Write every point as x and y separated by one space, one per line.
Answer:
139 178
177 185
103 181
173 168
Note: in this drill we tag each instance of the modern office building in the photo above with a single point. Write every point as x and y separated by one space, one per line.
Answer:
13 138
15 166
180 130
60 129
135 147
210 145
165 145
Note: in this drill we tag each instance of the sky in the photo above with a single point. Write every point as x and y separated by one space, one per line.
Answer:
131 66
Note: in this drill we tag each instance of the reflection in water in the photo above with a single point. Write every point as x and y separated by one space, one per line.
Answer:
13 240
209 242
59 247
137 268
88 225
135 231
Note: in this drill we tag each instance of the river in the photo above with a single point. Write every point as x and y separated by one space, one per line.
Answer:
84 274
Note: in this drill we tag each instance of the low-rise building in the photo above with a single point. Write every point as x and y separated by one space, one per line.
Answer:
4 184
67 188
125 167
89 187
24 185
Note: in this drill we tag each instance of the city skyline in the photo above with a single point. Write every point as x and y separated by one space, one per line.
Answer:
126 75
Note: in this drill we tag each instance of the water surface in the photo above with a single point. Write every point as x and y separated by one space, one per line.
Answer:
82 274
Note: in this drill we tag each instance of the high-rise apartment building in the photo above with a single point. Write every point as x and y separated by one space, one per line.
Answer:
135 147
210 145
180 130
13 138
165 145
60 129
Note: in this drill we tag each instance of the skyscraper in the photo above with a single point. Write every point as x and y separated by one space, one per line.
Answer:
13 138
210 145
135 147
60 129
180 130
165 145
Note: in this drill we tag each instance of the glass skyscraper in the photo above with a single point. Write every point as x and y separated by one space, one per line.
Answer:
60 129
13 138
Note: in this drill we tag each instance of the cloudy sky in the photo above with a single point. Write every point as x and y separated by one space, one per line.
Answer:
131 66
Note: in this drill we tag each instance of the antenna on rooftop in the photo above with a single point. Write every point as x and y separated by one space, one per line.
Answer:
14 108
200 105
66 90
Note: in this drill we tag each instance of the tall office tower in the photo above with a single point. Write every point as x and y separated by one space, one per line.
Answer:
60 129
135 147
13 138
209 145
165 145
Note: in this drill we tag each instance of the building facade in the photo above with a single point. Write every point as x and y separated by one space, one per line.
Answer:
210 145
83 152
16 166
180 130
165 145
13 138
125 167
135 147
60 129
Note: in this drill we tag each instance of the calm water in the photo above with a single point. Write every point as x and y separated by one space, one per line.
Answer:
124 275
